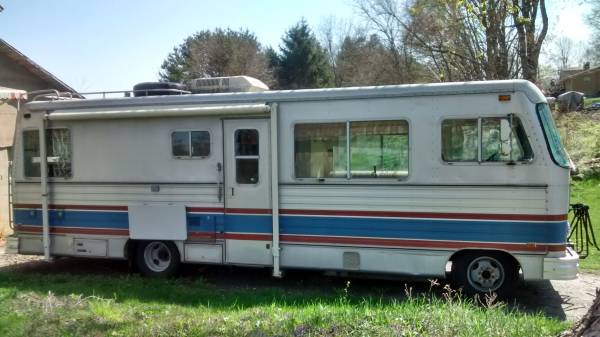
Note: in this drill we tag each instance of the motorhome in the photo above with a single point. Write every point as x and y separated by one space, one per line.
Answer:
466 178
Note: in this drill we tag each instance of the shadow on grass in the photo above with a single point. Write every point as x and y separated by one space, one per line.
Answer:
223 287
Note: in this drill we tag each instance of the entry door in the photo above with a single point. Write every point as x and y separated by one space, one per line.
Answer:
247 165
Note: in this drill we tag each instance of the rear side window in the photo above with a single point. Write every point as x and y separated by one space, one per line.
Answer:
58 150
190 144
490 139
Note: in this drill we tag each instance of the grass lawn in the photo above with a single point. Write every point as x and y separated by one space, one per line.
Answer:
588 101
588 192
88 305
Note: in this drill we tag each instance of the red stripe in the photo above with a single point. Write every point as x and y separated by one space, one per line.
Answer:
65 230
469 216
202 235
421 243
78 207
258 237
205 209
248 210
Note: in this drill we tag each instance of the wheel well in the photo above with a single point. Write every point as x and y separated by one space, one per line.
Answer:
462 252
130 249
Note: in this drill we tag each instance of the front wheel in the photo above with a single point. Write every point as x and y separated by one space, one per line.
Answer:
157 258
485 273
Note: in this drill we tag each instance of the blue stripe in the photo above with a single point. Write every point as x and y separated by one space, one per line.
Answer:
450 230
419 229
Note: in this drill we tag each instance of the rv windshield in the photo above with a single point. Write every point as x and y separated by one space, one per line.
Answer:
559 155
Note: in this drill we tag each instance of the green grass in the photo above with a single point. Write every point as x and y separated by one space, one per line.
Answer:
588 101
75 305
588 192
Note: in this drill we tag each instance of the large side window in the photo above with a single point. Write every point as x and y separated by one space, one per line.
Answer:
378 149
490 139
320 150
58 150
190 144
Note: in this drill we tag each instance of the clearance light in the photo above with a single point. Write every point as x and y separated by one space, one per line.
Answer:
504 98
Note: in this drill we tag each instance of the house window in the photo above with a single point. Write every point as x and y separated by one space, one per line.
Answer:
58 150
495 139
190 144
361 149
246 156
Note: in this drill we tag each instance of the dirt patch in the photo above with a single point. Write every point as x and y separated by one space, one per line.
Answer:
565 300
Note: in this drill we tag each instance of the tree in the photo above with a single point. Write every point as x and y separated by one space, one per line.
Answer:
364 60
217 53
530 35
593 20
464 39
302 62
563 52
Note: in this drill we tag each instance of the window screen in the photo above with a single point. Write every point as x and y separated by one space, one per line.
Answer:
379 149
320 150
246 156
190 144
58 151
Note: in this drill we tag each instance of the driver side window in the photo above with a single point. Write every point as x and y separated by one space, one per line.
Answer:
490 139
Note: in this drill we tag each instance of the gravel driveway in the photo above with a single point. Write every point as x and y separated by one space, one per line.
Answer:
565 300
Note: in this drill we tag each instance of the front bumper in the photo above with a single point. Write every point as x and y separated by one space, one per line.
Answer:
563 267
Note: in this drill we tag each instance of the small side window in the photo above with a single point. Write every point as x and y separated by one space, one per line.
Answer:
31 153
58 151
190 144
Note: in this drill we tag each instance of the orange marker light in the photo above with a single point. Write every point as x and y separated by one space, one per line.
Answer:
504 98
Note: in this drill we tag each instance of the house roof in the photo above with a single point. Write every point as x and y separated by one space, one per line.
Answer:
581 73
35 69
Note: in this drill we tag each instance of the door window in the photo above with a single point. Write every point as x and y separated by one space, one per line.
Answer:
246 156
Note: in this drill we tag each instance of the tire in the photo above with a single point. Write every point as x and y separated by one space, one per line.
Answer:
484 273
157 258
154 89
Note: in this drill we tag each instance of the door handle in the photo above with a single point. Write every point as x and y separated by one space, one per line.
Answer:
232 192
219 182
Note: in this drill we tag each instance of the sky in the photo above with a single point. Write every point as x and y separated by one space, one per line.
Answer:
111 45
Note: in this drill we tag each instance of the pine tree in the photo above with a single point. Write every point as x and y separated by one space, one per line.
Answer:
302 63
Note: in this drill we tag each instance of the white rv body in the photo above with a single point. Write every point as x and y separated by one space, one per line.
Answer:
243 202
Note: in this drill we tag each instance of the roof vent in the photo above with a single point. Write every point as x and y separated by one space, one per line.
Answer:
226 84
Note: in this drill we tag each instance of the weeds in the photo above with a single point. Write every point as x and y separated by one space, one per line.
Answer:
114 306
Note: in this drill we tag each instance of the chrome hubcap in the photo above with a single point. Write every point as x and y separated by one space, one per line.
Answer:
485 274
157 256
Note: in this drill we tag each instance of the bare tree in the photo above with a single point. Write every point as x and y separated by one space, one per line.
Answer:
331 33
457 39
563 52
530 35
387 18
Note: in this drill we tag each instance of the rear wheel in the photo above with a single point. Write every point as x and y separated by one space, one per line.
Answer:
157 258
485 273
